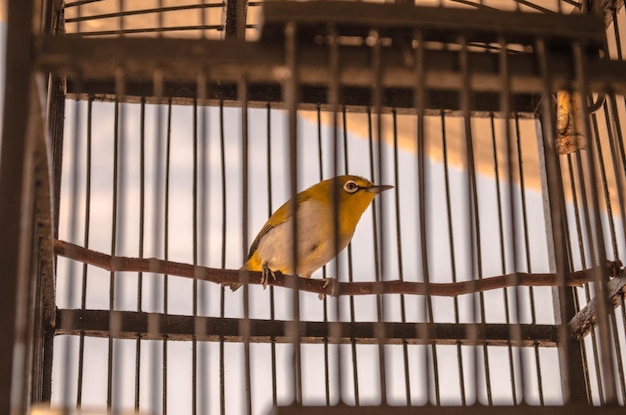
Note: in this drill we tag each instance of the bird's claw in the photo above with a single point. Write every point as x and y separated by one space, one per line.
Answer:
265 275
327 282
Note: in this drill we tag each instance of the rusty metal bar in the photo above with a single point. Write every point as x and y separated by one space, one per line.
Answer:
575 297
200 357
450 410
166 243
244 328
142 11
222 369
15 240
471 226
398 226
375 162
199 139
291 98
182 59
594 230
235 26
142 242
420 108
87 225
333 98
158 30
94 323
270 210
452 251
552 186
437 22
505 108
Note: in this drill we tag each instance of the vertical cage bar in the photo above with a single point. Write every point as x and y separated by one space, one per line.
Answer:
236 15
55 128
596 138
576 300
353 345
268 137
472 235
451 239
166 232
513 146
200 353
160 242
552 188
420 106
166 245
195 248
595 232
68 351
618 153
527 252
616 148
396 180
333 101
291 98
119 240
505 108
87 219
142 229
244 328
325 304
524 367
113 247
222 288
377 225
158 174
55 112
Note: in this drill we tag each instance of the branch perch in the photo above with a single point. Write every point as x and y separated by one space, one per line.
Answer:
225 276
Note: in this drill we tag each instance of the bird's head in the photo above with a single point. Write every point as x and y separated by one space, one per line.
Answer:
357 189
354 194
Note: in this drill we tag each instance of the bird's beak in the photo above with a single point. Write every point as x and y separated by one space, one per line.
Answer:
379 188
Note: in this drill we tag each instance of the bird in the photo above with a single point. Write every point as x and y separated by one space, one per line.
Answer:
272 249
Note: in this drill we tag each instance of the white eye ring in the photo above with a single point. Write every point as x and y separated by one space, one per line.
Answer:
351 187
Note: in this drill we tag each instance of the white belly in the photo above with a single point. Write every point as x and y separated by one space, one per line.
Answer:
315 241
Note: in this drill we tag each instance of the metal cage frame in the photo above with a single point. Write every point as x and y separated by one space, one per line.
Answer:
296 66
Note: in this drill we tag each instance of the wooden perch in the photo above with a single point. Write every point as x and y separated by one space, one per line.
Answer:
225 276
582 323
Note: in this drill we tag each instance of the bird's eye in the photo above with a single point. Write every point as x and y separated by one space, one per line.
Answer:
350 187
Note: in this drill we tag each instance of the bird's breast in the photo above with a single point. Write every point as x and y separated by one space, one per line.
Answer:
315 240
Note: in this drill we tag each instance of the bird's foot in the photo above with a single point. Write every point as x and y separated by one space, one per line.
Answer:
333 290
233 286
265 275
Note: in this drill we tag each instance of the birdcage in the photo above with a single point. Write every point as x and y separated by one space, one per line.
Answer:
145 143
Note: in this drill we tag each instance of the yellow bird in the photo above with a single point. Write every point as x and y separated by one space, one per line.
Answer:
272 249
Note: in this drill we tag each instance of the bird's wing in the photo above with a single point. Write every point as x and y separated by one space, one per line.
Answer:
280 216
268 226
